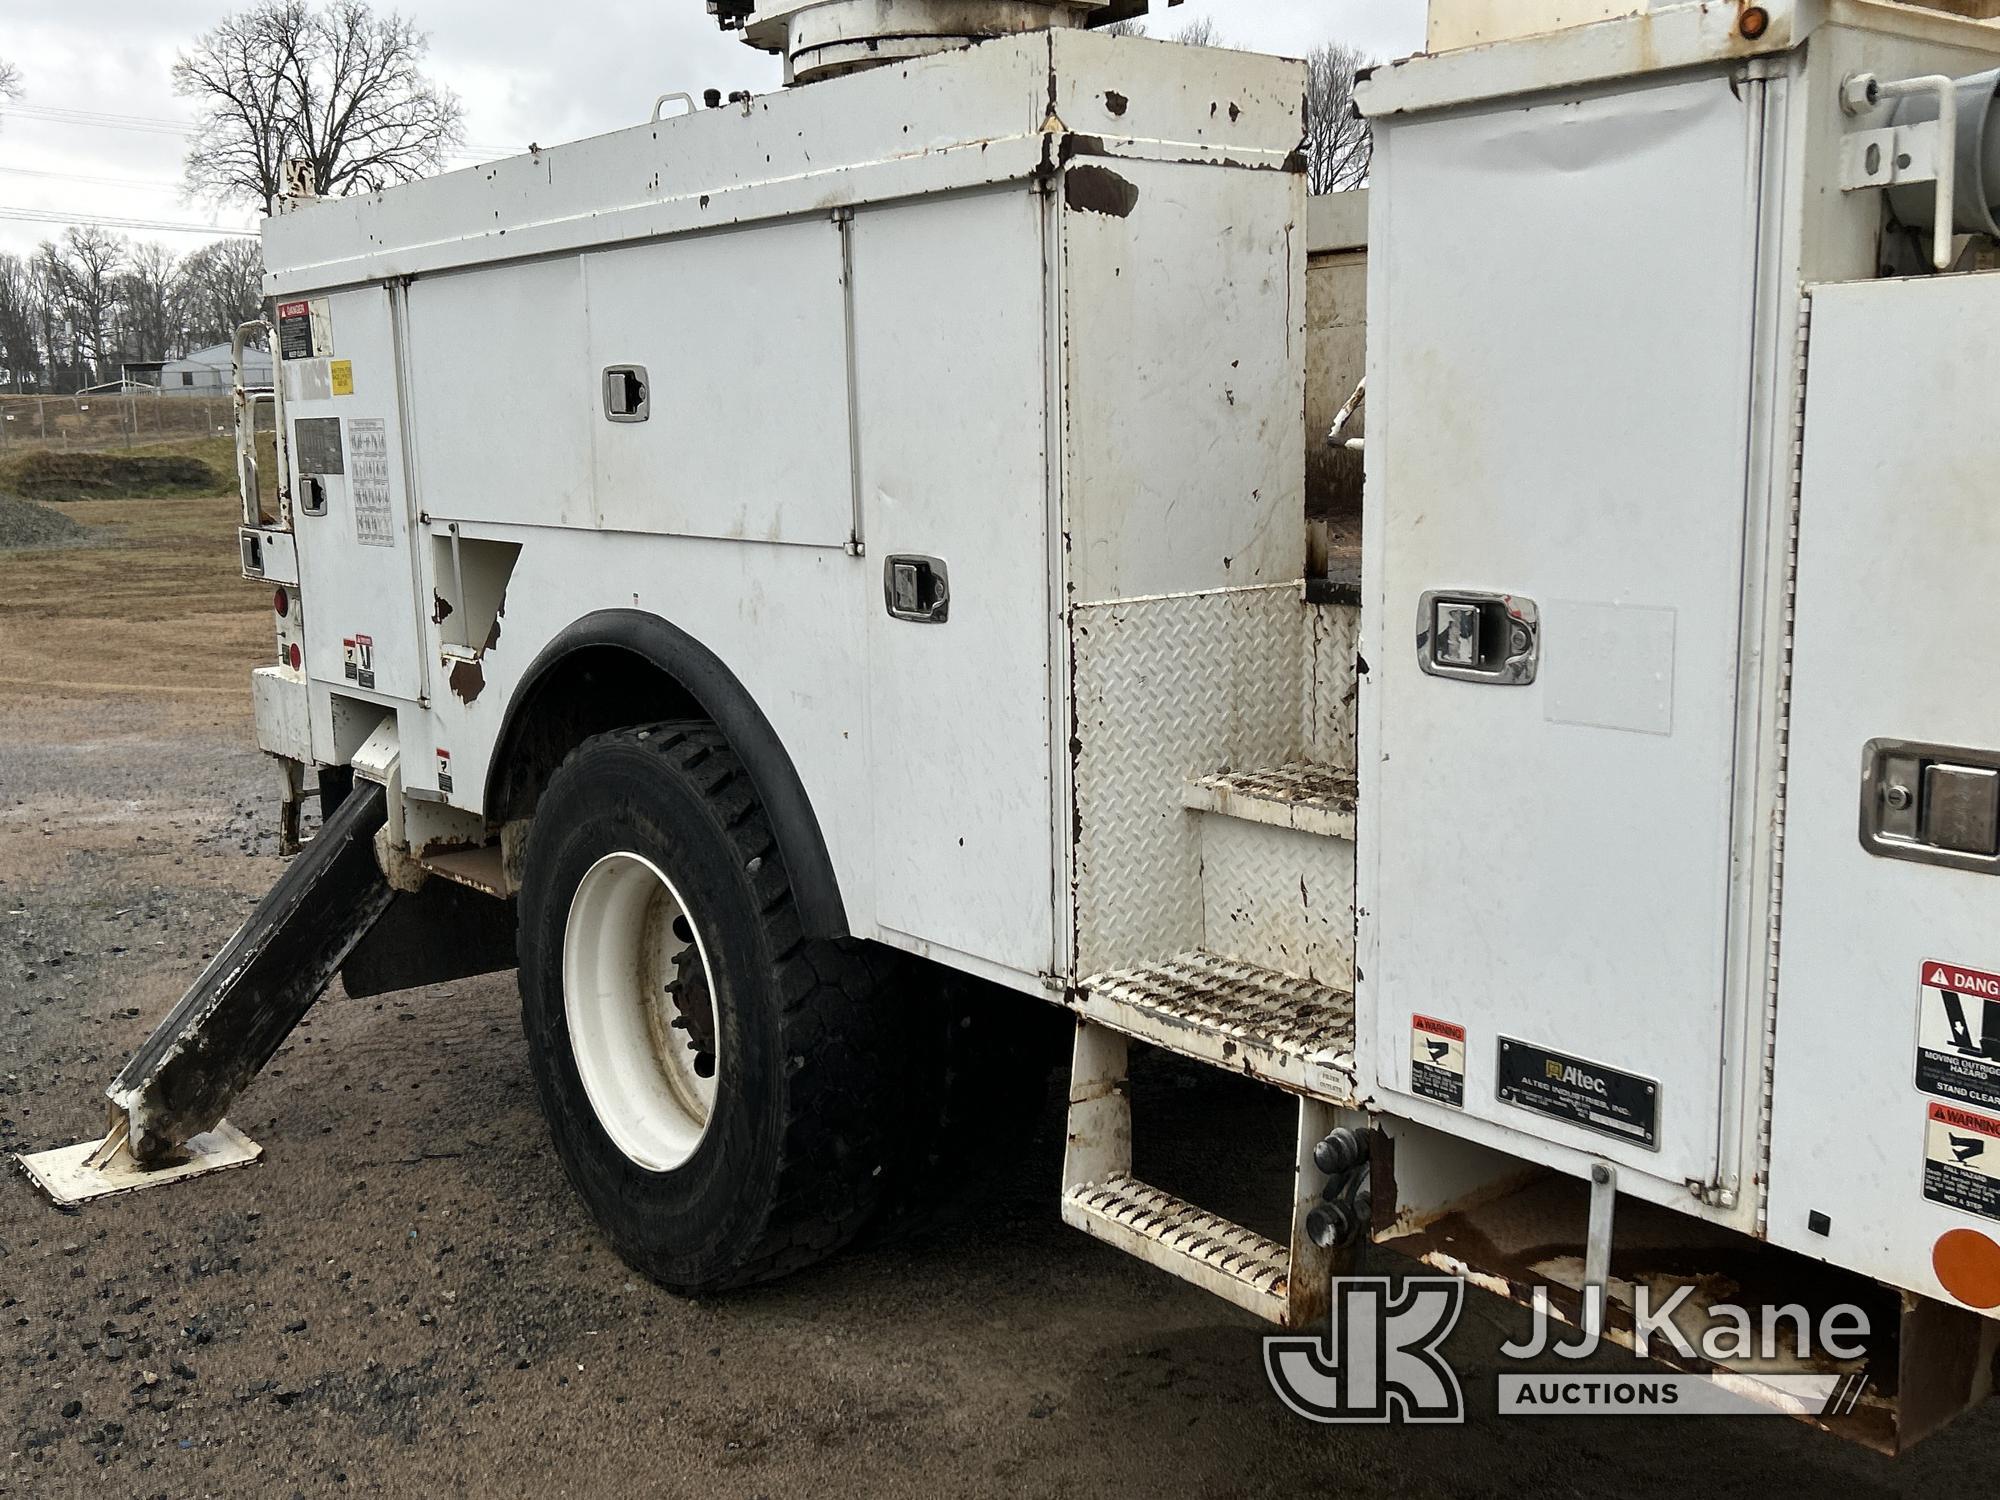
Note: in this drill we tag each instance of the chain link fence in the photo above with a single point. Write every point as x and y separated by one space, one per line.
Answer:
97 424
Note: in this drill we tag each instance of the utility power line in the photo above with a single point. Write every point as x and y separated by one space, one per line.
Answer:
124 182
153 124
51 115
107 221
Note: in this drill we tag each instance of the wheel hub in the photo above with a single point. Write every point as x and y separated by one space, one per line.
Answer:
639 998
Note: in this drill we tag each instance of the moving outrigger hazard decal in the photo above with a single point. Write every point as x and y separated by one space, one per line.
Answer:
1962 1160
1958 1034
358 660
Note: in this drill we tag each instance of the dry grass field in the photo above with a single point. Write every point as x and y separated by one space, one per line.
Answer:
152 604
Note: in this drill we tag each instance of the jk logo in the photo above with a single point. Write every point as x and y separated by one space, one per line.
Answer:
1379 1361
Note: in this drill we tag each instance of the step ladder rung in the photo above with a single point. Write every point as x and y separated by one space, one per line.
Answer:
1309 798
1292 1032
1227 1259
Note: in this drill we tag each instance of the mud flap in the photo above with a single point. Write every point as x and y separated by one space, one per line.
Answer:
436 935
259 987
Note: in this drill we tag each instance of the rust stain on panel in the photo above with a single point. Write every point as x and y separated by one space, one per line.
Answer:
468 680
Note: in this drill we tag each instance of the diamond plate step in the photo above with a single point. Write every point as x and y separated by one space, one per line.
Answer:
1284 1030
1312 799
1220 1257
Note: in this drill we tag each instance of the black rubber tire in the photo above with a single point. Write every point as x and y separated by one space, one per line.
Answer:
792 1164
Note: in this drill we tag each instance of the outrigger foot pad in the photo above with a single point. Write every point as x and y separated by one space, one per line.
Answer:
71 1175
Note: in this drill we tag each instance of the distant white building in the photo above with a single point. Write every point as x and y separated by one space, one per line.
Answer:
206 372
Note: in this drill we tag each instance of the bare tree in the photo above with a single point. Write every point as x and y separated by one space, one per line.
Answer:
1340 144
337 87
148 327
82 273
1199 33
10 81
20 343
219 286
51 333
72 311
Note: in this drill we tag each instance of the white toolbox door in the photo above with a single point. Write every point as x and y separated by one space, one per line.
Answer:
743 338
1888 1056
358 571
953 429
1562 313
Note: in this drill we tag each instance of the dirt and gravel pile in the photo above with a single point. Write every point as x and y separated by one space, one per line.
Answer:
26 524
111 476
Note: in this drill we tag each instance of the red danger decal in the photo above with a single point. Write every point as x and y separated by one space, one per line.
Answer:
1943 976
294 309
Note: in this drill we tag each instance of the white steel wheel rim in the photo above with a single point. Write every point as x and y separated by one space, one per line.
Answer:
633 1042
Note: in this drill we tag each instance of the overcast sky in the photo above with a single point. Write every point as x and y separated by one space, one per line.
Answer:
527 71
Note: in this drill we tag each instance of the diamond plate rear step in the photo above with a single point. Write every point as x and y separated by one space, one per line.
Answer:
1291 1032
1220 1257
1289 1285
1310 798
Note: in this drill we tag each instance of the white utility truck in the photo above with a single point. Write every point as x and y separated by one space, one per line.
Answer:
779 565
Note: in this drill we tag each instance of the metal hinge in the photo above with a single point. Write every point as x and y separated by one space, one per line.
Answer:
1775 916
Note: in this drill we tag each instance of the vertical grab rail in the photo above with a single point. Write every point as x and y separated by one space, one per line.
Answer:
245 401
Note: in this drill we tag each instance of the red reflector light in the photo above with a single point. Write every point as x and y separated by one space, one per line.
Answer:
296 658
282 603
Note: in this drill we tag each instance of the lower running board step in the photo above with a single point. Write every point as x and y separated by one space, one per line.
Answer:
258 988
1292 1032
1234 1263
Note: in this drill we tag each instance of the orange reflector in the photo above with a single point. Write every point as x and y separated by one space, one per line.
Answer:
1968 1265
1755 22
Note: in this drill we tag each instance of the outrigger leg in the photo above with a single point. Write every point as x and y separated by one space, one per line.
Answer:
168 1102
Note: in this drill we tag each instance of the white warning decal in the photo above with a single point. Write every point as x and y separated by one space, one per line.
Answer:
1958 1034
1962 1160
358 660
1437 1061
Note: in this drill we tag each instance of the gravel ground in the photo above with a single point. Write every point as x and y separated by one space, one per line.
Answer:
26 524
404 1297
